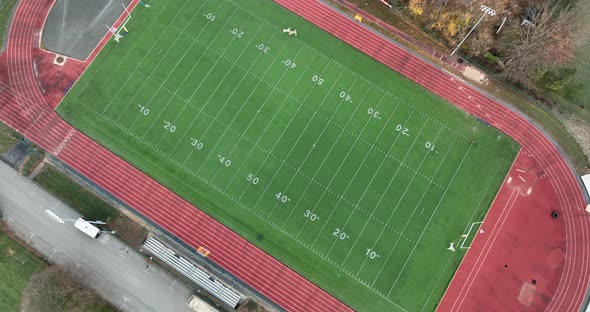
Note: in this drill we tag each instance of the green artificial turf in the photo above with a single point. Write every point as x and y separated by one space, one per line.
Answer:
358 178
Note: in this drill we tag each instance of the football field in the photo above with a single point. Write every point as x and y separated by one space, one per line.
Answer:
356 177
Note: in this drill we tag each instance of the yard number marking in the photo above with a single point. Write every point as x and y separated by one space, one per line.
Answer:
289 63
345 96
340 235
195 143
224 161
373 113
282 197
236 32
252 179
372 254
311 216
209 16
317 79
143 110
263 48
430 146
170 127
405 131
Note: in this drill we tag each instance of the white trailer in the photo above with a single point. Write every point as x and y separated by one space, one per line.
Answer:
87 228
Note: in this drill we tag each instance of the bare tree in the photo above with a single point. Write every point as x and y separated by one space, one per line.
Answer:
544 39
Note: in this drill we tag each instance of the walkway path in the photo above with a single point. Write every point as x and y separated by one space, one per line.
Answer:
117 273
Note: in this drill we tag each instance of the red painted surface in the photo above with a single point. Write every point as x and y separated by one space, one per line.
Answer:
24 107
53 80
520 242
447 59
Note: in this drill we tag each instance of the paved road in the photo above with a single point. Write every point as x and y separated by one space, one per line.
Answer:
120 275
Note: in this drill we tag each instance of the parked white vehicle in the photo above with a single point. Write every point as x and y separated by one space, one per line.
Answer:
87 228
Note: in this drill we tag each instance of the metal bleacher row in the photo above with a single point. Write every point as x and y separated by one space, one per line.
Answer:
204 280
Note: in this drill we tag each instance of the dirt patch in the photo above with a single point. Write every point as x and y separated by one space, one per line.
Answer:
57 289
129 231
579 129
10 252
251 306
476 75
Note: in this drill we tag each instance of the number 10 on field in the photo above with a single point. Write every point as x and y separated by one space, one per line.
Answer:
371 254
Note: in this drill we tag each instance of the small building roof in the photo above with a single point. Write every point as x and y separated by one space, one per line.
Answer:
87 227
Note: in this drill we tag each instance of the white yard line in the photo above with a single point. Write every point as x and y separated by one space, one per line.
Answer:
417 204
201 109
212 93
415 208
186 103
489 184
401 197
144 57
346 189
272 120
244 102
164 57
341 197
379 202
469 232
475 211
387 188
275 87
286 190
355 206
144 32
413 177
241 204
414 211
452 255
301 133
311 109
207 75
282 133
429 220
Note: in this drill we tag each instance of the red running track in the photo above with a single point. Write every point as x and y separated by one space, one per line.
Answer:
447 59
569 200
502 262
25 108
